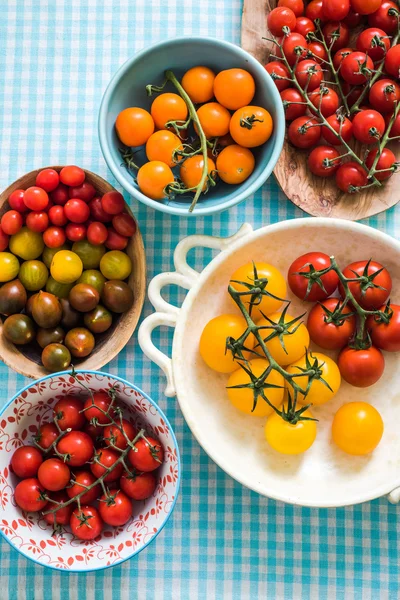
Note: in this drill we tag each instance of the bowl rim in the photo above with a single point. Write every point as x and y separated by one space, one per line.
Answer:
162 414
279 127
184 404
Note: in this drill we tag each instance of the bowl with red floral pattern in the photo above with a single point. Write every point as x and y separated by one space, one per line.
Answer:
46 408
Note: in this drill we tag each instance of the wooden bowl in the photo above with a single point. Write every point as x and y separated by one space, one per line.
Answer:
26 359
315 195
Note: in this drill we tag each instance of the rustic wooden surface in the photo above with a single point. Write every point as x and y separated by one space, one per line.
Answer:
27 362
315 195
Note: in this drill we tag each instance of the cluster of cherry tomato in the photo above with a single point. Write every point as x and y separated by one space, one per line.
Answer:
316 44
357 427
63 245
76 465
230 136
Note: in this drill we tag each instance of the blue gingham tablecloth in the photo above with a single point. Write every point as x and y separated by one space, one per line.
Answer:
223 541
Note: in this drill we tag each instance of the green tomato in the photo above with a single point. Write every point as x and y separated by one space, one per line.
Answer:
33 275
89 254
9 266
48 254
26 244
94 278
61 290
116 265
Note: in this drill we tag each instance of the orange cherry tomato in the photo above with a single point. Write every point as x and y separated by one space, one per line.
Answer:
134 126
235 164
168 107
234 88
198 83
153 177
161 146
251 126
214 119
192 170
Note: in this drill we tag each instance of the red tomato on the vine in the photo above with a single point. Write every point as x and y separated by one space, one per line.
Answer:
54 474
392 62
307 287
83 479
309 74
293 104
315 10
294 47
343 126
61 516
361 368
139 486
368 126
115 509
98 407
317 52
327 330
375 284
148 456
386 163
339 56
385 16
28 494
297 6
47 434
350 177
365 7
78 448
105 458
68 412
384 95
374 42
356 68
281 17
86 523
113 436
304 132
335 10
25 461
385 336
279 73
336 34
325 100
323 161
304 25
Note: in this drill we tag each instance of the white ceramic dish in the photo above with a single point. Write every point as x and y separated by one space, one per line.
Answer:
28 532
324 476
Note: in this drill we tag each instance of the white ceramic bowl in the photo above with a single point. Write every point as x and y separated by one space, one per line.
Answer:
324 476
28 532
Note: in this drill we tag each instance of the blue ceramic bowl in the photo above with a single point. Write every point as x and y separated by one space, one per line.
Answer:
127 88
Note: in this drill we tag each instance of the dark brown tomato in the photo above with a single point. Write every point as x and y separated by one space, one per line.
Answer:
70 317
117 296
19 329
83 297
98 320
53 335
12 297
80 342
46 309
56 357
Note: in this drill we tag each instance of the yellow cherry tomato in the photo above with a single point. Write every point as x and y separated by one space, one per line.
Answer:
357 428
153 177
295 341
243 398
198 83
276 286
27 244
235 164
115 265
66 267
134 126
168 107
9 266
234 88
214 119
286 438
162 145
318 393
213 342
251 126
191 171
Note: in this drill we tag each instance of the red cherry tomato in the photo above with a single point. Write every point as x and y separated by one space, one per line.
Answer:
336 34
343 126
48 180
374 42
62 516
350 177
279 18
385 336
11 222
83 479
384 95
317 52
54 237
85 192
148 456
37 221
96 407
68 412
78 448
104 459
57 216
113 203
75 232
115 509
115 241
356 68
314 10
16 201
323 162
326 100
77 211
35 198
327 328
124 224
113 436
139 486
297 6
97 212
47 434
294 47
95 431
277 71
353 19
385 16
365 7
97 233
335 10
53 474
386 163
369 293
304 25
304 132
86 523
339 56
361 368
60 195
314 261
291 99
4 239
368 126
309 74
26 461
392 66
28 495
72 176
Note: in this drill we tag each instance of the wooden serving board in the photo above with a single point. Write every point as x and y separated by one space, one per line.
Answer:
315 195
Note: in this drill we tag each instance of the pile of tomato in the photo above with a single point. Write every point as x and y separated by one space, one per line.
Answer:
63 265
72 454
357 427
223 105
317 58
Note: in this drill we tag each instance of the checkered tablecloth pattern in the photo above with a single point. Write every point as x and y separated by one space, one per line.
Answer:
223 541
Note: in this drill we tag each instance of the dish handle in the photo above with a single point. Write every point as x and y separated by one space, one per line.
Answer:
394 496
184 277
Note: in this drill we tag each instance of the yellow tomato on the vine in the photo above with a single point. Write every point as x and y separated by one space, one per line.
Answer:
293 344
268 279
288 438
319 393
357 428
213 342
